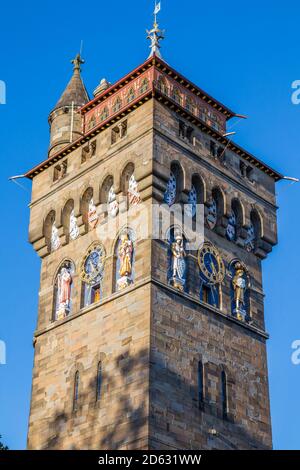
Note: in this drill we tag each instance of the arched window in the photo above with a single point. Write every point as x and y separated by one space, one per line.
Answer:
175 185
256 221
92 122
88 210
99 381
144 85
107 184
92 271
219 198
176 169
216 209
63 290
51 232
162 85
235 221
196 196
200 378
130 185
190 105
224 399
126 175
254 231
124 260
231 230
71 229
76 391
130 95
108 197
238 210
176 95
117 105
104 114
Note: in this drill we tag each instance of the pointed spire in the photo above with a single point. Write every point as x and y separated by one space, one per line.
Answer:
75 92
155 34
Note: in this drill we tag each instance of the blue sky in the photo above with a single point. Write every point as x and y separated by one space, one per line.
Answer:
246 56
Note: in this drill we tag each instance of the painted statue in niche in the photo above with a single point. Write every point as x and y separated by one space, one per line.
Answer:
212 213
93 218
74 230
63 291
240 289
133 192
113 206
125 254
178 279
55 240
231 230
170 193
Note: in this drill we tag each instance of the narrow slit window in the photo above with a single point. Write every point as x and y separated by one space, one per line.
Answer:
99 381
224 400
200 385
76 391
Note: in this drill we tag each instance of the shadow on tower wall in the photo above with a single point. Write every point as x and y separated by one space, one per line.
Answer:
167 425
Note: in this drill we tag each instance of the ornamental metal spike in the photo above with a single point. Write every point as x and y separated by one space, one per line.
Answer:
155 35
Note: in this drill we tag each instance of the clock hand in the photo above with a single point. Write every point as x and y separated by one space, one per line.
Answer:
213 268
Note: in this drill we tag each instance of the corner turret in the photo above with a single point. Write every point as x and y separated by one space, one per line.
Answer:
64 119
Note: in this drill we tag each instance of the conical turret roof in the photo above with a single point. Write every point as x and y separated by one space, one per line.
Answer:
75 91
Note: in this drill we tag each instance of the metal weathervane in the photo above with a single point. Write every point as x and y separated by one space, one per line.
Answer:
155 34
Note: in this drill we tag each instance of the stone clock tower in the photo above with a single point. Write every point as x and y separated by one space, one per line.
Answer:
143 343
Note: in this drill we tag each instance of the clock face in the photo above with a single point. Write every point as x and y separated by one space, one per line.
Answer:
212 268
93 265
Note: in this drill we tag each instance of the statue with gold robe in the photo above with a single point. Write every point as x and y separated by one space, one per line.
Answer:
125 252
239 283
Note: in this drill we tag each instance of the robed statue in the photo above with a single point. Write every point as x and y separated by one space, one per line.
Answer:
239 282
64 283
178 263
125 253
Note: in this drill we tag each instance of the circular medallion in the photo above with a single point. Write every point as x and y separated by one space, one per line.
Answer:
170 194
92 266
212 268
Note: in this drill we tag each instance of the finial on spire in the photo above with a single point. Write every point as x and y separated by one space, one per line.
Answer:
77 62
155 34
